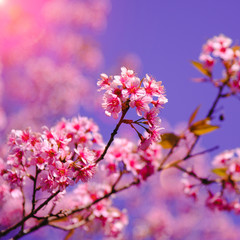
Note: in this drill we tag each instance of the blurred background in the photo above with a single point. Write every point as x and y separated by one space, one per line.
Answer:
53 51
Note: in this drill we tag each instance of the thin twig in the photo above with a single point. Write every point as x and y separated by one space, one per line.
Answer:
201 153
204 181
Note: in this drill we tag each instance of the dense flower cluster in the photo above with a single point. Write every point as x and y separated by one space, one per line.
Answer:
219 47
141 163
126 90
112 219
227 170
62 155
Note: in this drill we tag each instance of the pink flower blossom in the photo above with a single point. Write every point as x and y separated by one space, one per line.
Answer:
141 104
105 82
133 88
112 104
152 87
152 117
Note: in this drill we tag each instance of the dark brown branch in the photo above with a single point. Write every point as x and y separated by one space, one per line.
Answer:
35 188
113 135
5 232
204 181
51 218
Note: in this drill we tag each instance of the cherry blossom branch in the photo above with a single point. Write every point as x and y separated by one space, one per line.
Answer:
23 207
31 214
204 181
51 218
167 156
48 220
117 181
173 164
35 188
209 115
75 225
124 112
219 95
201 153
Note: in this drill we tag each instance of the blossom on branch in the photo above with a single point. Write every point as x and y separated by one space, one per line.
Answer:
147 96
62 155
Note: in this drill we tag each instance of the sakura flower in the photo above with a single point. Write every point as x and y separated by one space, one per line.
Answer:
152 87
235 84
141 104
145 143
207 60
223 159
225 53
126 75
85 155
85 173
47 182
189 188
152 117
112 104
133 88
216 201
105 82
119 91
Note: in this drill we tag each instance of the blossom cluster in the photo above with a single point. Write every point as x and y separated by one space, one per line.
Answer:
141 163
189 187
62 155
170 215
220 202
219 47
223 197
229 162
126 90
111 219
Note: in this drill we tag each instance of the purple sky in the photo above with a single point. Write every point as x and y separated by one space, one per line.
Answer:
167 35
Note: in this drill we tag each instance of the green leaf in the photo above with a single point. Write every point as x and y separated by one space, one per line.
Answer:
169 140
193 116
201 68
202 127
221 172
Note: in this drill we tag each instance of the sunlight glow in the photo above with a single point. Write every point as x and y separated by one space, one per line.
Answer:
2 2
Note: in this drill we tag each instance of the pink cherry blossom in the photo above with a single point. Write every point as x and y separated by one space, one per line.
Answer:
112 104
141 104
152 87
105 82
